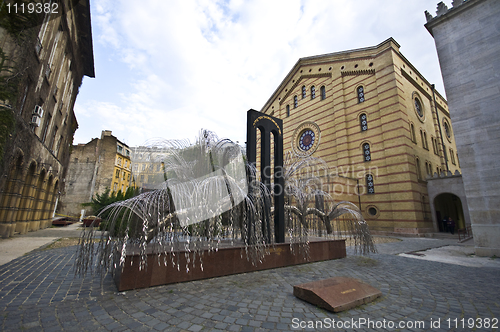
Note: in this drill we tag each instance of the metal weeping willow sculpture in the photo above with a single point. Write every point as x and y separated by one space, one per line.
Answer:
209 197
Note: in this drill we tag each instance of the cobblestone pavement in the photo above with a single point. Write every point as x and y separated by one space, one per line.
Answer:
40 293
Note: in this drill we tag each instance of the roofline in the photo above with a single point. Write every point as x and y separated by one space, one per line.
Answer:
85 27
297 64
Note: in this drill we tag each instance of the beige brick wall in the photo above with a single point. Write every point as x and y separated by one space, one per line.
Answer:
390 84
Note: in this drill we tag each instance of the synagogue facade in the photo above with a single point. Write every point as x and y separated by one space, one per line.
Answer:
379 125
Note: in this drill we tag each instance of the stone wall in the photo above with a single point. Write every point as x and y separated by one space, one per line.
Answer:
467 39
81 179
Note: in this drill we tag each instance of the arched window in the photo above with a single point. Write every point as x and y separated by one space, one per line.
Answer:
412 133
287 111
295 102
363 122
419 171
370 187
304 92
323 93
423 137
452 156
313 92
361 94
366 152
433 142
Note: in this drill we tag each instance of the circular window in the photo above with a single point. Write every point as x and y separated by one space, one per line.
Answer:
372 212
306 140
418 107
447 130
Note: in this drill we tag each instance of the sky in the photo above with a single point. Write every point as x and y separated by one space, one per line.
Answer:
169 68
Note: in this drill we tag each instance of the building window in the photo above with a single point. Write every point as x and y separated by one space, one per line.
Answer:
323 92
418 107
117 173
452 157
419 172
119 148
433 142
372 211
370 187
447 129
366 152
361 94
412 133
424 207
46 127
53 139
423 137
295 102
304 92
287 111
313 92
363 122
115 186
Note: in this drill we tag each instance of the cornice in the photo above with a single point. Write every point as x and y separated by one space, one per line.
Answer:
358 72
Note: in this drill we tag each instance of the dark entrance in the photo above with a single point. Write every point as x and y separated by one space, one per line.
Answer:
449 205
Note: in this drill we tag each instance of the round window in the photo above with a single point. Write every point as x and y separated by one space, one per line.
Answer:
418 107
447 129
306 140
372 211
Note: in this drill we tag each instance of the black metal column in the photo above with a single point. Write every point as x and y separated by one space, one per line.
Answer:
269 125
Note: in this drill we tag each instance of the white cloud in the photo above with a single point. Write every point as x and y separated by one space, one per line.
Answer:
203 64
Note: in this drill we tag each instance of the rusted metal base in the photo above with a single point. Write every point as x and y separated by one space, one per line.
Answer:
225 261
336 294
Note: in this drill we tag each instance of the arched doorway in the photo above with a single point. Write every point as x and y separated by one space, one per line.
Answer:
449 205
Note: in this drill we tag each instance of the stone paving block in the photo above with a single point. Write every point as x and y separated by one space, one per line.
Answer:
415 290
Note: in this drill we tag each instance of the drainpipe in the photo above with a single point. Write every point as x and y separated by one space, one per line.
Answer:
440 130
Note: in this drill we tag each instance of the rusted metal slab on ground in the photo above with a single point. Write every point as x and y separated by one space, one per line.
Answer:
336 294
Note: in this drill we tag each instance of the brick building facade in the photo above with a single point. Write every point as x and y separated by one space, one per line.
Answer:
43 60
100 164
378 124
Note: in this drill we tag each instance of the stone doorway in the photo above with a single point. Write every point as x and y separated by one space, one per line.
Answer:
449 205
